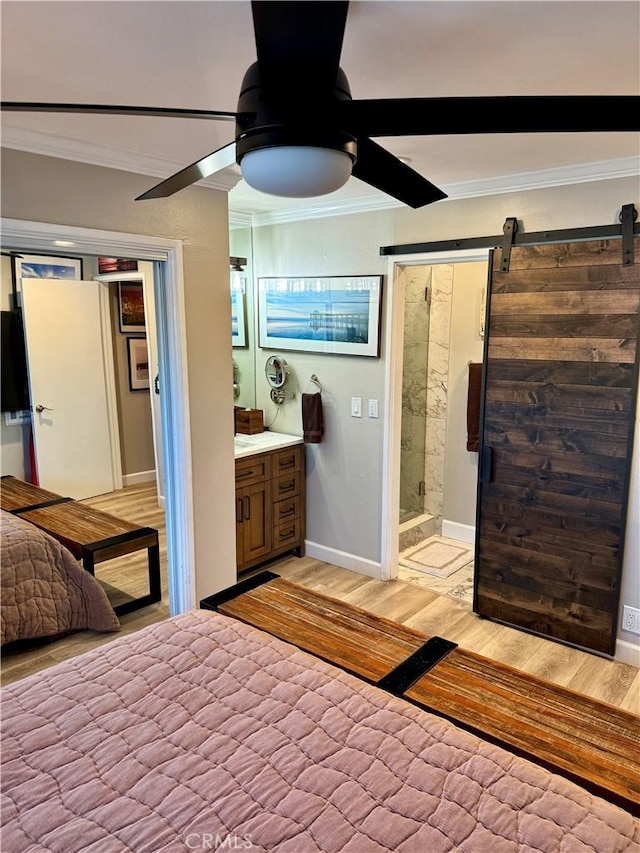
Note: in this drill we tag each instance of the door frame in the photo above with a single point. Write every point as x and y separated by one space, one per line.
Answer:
172 357
392 425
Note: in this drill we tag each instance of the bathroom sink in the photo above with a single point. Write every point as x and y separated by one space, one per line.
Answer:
241 443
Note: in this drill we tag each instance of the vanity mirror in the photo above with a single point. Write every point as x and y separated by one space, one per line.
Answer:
243 341
277 371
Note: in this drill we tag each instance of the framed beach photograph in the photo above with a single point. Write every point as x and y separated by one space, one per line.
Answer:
138 357
45 266
338 315
131 306
238 313
238 320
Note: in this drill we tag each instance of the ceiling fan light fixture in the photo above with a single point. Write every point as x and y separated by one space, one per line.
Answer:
296 171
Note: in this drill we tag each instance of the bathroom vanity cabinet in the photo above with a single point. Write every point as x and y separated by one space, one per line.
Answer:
270 505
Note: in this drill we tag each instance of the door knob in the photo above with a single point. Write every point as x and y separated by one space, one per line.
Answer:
41 408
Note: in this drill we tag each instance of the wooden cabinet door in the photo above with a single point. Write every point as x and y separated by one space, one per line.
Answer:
560 376
253 523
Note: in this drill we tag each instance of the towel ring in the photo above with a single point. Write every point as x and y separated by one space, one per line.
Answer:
313 378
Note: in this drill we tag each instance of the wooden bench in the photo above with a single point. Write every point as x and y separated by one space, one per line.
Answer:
17 496
91 535
589 742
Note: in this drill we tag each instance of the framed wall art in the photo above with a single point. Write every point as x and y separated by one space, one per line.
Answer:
131 306
339 315
107 265
138 357
45 266
238 314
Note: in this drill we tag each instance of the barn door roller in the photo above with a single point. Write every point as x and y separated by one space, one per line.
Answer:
628 216
509 229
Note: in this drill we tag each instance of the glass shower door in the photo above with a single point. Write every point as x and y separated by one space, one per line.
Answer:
414 391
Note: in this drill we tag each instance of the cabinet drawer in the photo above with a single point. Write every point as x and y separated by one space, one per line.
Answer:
286 486
287 534
252 469
286 510
286 461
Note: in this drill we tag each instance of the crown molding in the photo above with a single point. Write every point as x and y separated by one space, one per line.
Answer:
240 219
49 145
624 167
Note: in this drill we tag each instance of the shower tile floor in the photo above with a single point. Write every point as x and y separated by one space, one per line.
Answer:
459 584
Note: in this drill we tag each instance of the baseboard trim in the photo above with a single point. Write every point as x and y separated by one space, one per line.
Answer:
627 653
343 559
138 477
461 532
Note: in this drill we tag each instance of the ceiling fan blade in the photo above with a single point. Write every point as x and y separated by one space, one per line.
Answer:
209 165
298 44
106 109
502 114
385 172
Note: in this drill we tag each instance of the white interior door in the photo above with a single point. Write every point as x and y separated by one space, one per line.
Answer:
70 377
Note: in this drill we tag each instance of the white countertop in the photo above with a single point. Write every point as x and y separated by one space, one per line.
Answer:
247 445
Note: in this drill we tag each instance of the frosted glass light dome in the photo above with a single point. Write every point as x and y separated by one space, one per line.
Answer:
295 171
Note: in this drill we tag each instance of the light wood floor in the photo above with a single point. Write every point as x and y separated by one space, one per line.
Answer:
614 683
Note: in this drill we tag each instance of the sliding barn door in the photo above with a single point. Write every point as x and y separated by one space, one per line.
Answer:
561 379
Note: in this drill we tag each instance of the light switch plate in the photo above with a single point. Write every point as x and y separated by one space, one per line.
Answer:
356 407
373 408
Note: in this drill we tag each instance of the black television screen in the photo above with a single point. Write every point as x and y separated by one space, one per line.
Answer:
14 383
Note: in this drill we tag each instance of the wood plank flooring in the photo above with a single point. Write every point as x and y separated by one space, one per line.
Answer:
608 681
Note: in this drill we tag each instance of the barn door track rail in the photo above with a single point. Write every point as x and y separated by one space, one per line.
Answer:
513 235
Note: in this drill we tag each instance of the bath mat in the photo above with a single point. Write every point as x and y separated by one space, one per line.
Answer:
458 586
437 556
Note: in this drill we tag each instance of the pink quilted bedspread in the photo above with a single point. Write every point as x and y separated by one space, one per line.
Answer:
45 590
201 733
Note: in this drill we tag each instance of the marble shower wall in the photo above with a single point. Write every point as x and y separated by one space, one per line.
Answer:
437 389
414 389
424 389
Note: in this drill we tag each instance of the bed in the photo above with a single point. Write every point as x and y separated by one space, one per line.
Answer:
202 732
45 591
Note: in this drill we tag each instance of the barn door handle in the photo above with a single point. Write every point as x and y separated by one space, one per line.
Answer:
486 458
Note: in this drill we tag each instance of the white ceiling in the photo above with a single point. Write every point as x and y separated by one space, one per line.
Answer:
194 54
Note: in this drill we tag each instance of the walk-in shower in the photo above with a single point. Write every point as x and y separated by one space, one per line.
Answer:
427 324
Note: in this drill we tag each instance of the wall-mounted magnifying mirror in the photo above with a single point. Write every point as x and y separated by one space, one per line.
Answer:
277 371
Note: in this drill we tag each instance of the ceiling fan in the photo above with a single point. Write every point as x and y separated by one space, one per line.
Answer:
299 133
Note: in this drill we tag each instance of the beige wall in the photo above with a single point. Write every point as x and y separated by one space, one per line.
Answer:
45 189
134 407
466 344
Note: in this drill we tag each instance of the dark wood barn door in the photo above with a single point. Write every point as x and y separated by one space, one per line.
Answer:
560 388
